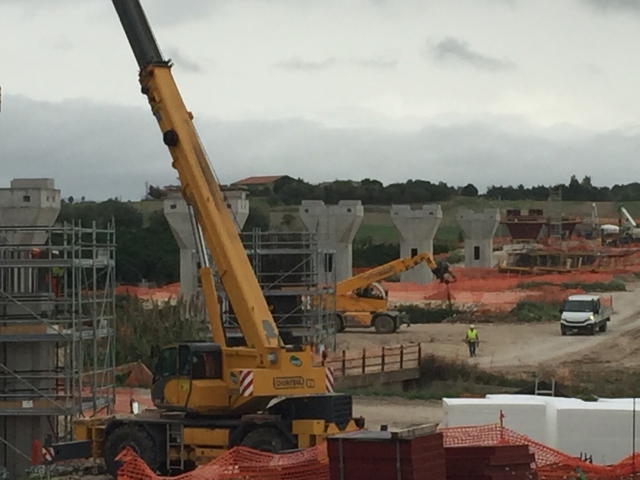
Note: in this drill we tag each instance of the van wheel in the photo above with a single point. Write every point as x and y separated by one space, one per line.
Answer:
602 327
384 324
592 330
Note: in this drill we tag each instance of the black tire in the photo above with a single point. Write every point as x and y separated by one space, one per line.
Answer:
563 331
267 439
603 327
384 324
592 330
140 441
339 324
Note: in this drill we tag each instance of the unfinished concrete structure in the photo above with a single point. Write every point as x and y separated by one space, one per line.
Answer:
56 302
416 228
478 230
336 227
177 214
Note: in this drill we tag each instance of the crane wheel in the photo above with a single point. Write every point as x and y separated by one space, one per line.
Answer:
267 439
384 324
339 324
134 437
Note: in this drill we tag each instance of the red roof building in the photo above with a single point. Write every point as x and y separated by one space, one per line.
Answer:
258 181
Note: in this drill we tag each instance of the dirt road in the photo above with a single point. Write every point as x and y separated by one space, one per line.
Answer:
396 412
523 346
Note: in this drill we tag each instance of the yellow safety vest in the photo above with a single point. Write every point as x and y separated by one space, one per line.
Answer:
57 271
472 335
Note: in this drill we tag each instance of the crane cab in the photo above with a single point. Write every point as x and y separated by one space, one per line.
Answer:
188 377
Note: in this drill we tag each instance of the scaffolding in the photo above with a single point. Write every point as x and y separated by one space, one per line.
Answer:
298 282
555 212
57 332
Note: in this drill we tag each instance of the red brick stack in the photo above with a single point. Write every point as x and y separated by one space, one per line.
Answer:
407 455
501 462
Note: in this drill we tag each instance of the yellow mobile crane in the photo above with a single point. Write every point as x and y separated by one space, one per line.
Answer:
210 396
361 301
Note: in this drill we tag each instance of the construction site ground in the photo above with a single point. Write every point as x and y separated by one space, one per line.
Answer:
514 347
515 350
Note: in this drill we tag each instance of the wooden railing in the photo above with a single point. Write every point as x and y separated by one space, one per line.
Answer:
375 360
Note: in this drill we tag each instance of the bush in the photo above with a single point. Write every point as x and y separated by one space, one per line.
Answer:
421 315
612 286
144 326
528 311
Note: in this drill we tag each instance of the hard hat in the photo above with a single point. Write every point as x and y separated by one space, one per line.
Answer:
55 252
472 326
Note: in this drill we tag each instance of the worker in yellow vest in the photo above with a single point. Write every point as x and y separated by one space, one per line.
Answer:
472 340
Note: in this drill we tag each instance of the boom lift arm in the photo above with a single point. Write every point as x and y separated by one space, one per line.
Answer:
440 270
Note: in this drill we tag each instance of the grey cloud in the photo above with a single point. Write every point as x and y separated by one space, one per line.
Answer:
298 64
183 61
101 151
453 50
615 5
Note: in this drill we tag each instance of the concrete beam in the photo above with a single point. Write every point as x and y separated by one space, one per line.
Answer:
177 215
336 227
417 228
478 230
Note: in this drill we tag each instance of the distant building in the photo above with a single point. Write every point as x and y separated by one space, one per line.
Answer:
263 181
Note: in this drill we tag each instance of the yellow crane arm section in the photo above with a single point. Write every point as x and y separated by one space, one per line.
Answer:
200 189
441 271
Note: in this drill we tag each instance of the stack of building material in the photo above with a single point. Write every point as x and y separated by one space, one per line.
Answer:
416 453
499 462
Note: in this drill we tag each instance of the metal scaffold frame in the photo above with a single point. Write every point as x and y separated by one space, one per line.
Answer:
298 282
57 329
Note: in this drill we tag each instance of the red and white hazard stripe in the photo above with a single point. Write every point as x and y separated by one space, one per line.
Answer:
246 383
47 454
328 379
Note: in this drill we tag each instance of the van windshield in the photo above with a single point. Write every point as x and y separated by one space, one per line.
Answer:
578 306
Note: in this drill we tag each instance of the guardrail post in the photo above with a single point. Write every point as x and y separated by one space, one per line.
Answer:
382 360
401 356
419 352
344 363
364 361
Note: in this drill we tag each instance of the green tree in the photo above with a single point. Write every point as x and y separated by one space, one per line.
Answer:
469 190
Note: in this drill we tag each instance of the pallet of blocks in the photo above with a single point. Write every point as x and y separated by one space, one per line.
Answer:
412 454
499 462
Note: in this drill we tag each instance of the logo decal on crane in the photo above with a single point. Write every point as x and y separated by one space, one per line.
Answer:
295 361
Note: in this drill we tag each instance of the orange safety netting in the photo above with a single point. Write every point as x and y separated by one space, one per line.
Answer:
241 463
313 463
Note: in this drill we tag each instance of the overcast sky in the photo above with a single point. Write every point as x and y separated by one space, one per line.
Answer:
481 91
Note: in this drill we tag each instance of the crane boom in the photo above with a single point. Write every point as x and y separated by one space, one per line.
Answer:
628 217
440 270
200 189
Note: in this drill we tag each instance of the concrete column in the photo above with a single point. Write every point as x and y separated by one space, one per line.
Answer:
478 230
417 228
336 226
28 202
177 214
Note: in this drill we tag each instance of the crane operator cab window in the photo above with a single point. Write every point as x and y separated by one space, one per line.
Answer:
199 361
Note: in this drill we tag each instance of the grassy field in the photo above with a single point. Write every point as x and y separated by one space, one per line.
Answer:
377 221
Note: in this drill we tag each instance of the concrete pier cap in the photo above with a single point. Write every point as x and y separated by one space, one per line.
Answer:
416 227
336 227
478 230
29 202
177 215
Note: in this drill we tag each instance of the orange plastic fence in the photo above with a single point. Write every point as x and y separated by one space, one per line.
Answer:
242 463
312 463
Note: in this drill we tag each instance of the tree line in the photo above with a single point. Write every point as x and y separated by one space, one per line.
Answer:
291 191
